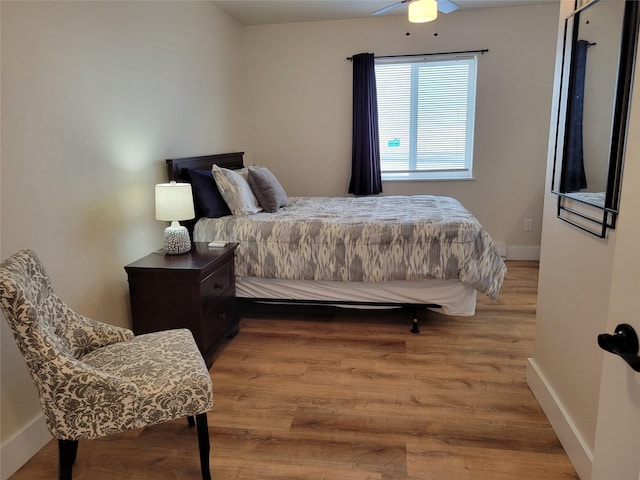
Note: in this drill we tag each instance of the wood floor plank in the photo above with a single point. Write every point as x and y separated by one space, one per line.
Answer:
433 459
328 393
324 450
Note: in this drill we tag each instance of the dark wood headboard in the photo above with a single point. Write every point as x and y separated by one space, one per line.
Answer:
232 161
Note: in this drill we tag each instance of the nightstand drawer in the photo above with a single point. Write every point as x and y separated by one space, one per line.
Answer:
215 286
217 319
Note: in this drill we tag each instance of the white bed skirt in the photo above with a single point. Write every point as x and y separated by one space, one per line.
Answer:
453 296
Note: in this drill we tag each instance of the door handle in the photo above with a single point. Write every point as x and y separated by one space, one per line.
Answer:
624 343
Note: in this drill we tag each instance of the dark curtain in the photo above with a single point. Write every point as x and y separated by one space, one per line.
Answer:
574 178
365 157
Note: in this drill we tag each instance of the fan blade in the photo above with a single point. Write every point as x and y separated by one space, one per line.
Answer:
388 8
447 6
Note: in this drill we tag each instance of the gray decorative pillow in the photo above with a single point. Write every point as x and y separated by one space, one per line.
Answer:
267 189
236 191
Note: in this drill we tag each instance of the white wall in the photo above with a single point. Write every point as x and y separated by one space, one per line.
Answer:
300 105
95 95
574 303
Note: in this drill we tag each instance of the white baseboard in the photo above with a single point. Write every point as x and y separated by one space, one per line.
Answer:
523 253
17 450
574 445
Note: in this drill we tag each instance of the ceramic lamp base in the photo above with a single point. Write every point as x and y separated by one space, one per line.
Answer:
176 239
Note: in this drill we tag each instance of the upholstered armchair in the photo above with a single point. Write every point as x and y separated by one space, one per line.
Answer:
95 379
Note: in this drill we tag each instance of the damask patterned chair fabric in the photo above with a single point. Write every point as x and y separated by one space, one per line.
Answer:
95 379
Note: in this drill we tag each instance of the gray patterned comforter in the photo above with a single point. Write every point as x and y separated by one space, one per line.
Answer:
367 239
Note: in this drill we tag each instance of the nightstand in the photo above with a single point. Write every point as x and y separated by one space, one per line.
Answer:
195 290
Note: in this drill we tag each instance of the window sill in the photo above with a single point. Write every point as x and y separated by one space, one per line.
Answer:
426 177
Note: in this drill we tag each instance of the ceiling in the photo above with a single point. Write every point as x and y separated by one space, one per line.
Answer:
260 12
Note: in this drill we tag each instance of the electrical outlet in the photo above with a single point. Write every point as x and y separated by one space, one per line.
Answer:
528 224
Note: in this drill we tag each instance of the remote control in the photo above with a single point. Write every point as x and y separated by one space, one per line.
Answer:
217 244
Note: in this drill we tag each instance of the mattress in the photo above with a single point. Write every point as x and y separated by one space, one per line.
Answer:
362 239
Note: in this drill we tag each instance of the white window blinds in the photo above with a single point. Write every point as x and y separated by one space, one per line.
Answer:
426 113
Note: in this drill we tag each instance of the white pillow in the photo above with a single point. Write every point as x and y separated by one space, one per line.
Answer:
236 191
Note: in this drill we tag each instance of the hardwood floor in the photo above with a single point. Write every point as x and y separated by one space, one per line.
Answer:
323 393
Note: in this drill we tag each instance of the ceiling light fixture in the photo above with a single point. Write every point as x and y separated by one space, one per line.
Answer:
422 11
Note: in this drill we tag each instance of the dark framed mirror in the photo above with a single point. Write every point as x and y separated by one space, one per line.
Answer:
600 42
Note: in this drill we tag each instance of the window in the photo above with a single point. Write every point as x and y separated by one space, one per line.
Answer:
426 109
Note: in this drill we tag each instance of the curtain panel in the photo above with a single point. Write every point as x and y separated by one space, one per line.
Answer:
366 178
574 178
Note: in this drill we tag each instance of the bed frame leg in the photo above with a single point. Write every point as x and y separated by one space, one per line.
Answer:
415 328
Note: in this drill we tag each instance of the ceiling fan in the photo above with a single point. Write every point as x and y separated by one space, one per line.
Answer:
422 10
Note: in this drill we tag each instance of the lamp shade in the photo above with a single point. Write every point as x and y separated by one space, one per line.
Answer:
174 201
421 11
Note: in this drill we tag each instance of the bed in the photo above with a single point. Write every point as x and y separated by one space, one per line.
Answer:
419 251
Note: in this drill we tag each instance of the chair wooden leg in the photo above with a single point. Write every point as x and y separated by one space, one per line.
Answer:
67 452
191 421
203 443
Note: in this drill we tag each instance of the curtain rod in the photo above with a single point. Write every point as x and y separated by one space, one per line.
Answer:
483 51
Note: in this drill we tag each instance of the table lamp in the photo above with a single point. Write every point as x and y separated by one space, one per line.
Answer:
174 202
